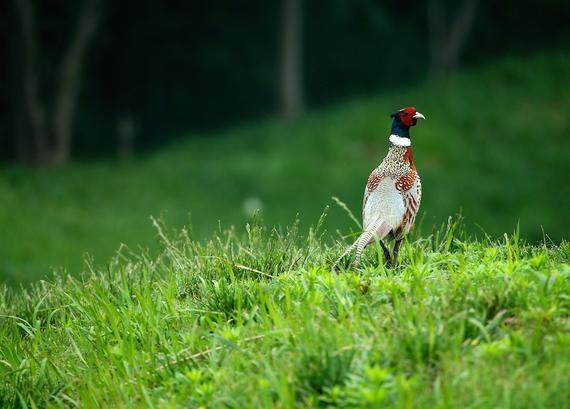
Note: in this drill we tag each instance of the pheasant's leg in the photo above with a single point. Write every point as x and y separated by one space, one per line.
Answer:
386 254
396 251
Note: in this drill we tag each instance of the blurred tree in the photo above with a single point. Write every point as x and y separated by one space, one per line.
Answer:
291 64
174 67
447 38
44 136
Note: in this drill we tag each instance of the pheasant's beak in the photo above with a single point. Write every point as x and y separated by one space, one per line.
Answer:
418 116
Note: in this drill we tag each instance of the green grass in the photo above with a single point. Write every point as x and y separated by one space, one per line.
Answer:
260 320
495 145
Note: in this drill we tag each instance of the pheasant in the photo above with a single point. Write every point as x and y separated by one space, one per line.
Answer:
393 193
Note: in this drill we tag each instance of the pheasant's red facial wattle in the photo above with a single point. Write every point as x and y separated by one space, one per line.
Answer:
407 116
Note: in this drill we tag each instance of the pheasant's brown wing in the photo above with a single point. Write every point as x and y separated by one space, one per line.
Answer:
373 181
383 204
410 187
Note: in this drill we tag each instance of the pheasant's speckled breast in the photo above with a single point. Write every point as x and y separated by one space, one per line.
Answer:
393 193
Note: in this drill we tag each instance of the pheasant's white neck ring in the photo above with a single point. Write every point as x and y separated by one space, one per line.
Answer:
400 141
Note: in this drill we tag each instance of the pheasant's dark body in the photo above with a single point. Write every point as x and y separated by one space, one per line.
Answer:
393 193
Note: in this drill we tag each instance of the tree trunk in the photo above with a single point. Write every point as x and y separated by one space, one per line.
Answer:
447 39
459 33
18 110
291 81
436 26
31 118
42 138
69 81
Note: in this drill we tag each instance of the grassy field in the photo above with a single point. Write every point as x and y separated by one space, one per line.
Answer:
262 321
495 146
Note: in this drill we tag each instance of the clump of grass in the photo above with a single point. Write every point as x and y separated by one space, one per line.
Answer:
260 320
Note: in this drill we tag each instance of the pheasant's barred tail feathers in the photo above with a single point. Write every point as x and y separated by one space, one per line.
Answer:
361 244
379 229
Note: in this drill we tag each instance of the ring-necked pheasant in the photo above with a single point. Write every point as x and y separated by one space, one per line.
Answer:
393 193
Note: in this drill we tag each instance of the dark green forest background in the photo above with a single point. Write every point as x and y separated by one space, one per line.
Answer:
115 111
174 66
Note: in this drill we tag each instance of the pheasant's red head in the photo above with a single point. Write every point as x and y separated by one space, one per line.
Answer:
407 116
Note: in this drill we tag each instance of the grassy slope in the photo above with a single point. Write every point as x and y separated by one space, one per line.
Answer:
263 322
495 145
